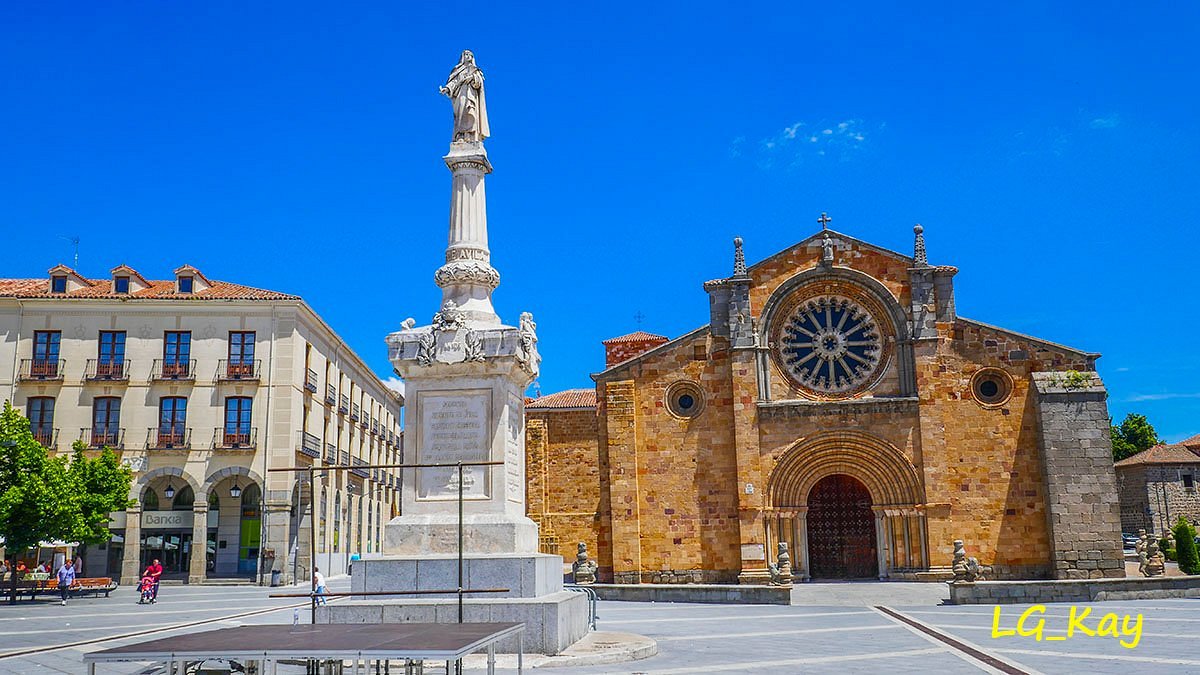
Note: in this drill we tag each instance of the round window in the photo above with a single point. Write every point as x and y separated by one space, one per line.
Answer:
684 399
991 387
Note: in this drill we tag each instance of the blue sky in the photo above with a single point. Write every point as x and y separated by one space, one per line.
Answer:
1048 148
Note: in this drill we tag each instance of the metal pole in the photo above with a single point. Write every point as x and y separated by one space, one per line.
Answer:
312 538
460 542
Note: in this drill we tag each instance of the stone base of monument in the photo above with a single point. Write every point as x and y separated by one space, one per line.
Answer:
554 619
418 535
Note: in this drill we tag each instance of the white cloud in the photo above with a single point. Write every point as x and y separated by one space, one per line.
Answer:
826 139
1137 398
395 384
1106 122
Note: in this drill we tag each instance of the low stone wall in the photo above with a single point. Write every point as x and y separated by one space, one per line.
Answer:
1074 590
733 594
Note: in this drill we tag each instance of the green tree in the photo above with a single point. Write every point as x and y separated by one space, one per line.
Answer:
1185 547
1132 436
101 486
36 500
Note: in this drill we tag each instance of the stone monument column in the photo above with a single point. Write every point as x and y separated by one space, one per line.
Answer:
465 373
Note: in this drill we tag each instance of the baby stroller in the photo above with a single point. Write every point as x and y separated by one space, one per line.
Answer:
148 590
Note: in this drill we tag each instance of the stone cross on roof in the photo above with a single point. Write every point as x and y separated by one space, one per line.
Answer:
824 220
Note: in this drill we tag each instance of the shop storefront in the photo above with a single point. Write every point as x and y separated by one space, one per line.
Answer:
165 536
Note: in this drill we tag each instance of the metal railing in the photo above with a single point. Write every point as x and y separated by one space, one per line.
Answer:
331 454
235 438
309 445
357 469
100 437
41 369
237 369
343 404
310 381
330 394
355 413
593 601
164 369
168 438
46 437
344 458
107 370
375 426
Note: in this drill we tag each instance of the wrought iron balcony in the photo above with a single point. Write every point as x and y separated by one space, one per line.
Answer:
344 458
331 454
168 438
343 404
309 445
375 426
235 438
99 437
356 463
310 381
46 437
238 370
173 370
330 394
365 423
355 413
99 370
42 369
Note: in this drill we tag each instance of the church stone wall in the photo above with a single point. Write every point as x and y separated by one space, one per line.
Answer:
687 528
1076 449
1153 496
562 493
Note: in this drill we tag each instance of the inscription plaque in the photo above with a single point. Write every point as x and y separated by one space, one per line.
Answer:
454 428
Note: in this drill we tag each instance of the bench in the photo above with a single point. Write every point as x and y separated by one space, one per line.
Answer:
31 587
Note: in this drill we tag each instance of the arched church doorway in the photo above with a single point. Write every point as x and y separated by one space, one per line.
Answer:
841 530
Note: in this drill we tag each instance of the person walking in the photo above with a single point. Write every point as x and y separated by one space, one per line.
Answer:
319 583
78 566
66 579
154 571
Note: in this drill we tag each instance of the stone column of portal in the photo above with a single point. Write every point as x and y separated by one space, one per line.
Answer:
802 543
468 278
131 561
880 543
198 565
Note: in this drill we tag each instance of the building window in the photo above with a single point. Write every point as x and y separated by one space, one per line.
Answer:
172 419
40 411
685 399
58 284
237 419
112 347
150 500
185 499
106 421
991 387
45 346
185 284
241 353
1189 481
177 353
121 285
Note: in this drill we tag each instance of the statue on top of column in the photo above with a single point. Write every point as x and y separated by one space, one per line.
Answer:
464 88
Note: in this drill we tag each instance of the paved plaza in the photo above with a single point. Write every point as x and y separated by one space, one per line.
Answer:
867 628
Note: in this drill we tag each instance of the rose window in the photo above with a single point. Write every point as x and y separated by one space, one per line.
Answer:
831 345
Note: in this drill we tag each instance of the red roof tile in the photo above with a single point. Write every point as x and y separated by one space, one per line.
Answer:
1192 443
636 336
571 398
158 290
1161 454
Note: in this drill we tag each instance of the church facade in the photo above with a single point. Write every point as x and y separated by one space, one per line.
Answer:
835 402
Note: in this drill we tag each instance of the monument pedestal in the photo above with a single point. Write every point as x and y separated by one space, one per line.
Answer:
437 533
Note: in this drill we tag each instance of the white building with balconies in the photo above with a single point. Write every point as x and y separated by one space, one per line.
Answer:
205 389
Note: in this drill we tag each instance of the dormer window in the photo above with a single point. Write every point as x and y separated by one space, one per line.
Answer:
120 284
185 284
58 284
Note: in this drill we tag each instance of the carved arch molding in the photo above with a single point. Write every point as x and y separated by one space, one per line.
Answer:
893 481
